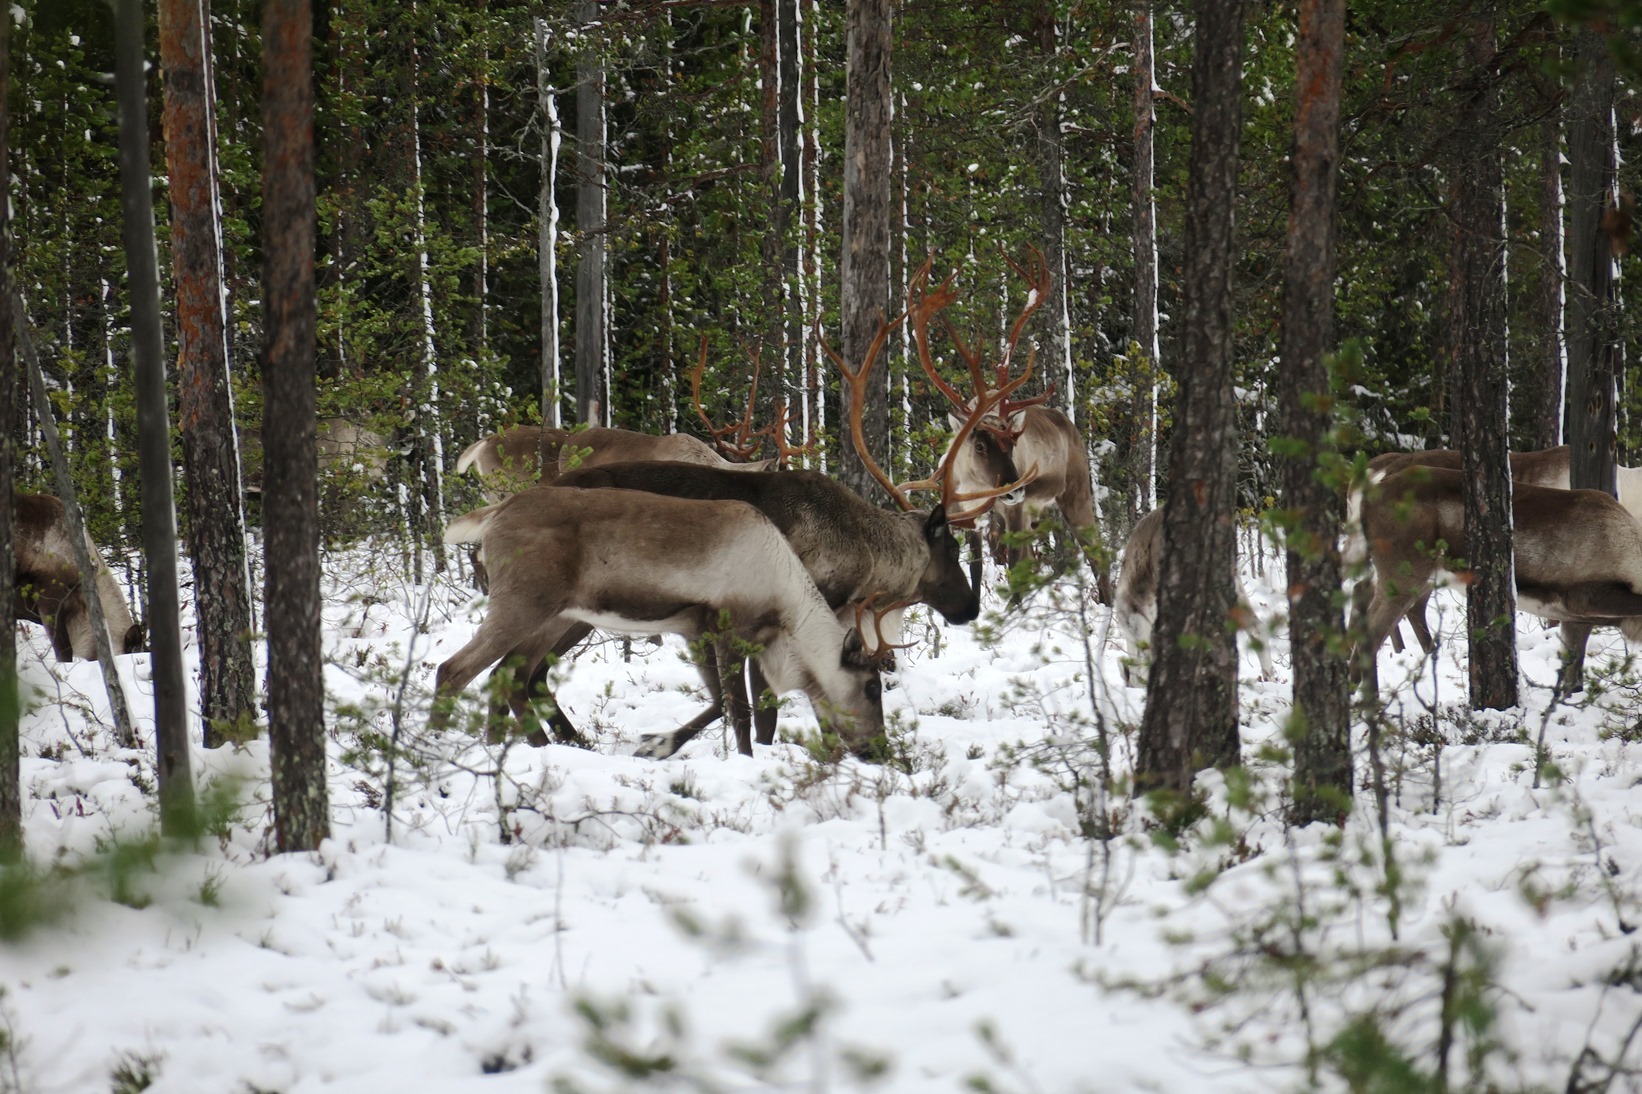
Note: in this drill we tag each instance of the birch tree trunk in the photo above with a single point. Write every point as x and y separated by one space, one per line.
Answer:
1191 700
159 517
1138 495
296 688
864 271
427 425
790 122
547 227
1479 385
1320 726
216 530
592 334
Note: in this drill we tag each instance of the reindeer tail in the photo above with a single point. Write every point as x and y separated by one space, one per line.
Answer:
470 527
1356 547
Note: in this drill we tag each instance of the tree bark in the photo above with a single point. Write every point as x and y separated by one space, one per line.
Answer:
592 398
1592 333
1053 320
1320 725
1191 701
11 786
216 531
159 517
864 273
1539 402
547 228
792 197
773 385
1479 382
1136 468
296 685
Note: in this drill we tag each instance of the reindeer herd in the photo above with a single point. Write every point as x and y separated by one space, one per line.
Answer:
787 580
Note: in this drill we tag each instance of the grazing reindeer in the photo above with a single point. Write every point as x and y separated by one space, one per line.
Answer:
1019 433
1577 554
513 459
640 563
49 589
1548 467
1135 604
342 444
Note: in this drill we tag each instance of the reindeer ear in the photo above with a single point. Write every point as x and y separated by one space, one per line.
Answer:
936 523
957 422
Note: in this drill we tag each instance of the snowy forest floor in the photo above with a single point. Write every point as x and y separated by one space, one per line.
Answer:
554 918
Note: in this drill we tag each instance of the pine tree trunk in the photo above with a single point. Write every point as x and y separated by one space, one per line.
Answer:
773 384
159 518
216 532
864 272
1191 701
1320 726
1540 398
296 690
1592 338
1053 319
11 786
592 400
1137 471
1479 383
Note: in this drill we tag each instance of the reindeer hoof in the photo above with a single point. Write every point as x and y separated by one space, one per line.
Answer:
656 746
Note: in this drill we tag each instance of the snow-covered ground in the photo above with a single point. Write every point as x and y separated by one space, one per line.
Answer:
556 915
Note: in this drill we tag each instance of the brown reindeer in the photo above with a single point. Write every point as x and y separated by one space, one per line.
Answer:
1134 605
642 563
49 589
1547 467
1577 554
1017 434
342 444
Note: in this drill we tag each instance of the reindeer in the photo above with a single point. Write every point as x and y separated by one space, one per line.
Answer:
49 588
1135 604
1547 467
342 444
1577 554
640 563
1019 433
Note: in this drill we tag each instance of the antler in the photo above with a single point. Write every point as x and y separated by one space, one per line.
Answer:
880 651
777 432
737 440
856 379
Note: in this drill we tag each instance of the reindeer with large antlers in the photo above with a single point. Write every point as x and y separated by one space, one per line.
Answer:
1016 433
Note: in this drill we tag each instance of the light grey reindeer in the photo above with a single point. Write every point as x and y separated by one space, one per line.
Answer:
643 563
49 589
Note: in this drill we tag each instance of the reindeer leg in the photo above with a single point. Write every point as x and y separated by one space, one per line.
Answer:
1571 675
659 746
764 707
734 692
1417 623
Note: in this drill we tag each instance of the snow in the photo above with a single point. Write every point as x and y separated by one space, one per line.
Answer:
950 923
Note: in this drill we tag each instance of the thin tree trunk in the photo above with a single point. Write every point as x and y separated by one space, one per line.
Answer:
296 685
125 730
216 532
864 272
11 786
791 25
1191 703
592 335
1054 320
1479 384
1320 726
547 227
1540 400
773 384
159 517
1139 496
1592 338
427 426
815 407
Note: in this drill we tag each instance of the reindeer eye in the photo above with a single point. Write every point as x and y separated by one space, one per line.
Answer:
980 447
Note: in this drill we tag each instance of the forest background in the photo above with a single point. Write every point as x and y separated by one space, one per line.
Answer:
456 233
